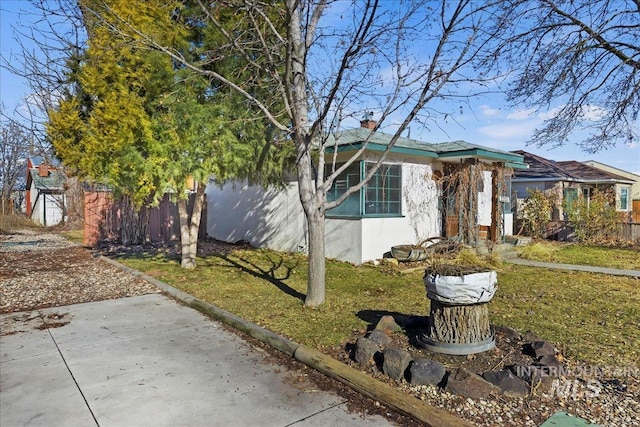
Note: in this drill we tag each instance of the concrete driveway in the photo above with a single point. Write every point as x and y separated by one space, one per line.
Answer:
148 361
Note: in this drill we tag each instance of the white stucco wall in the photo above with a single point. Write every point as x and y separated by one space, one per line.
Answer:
343 239
266 218
274 218
420 200
484 200
508 224
379 234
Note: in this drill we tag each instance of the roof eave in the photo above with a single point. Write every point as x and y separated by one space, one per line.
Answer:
514 161
372 146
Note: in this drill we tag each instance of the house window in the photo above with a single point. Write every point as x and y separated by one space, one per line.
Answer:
624 199
570 196
349 178
382 196
383 191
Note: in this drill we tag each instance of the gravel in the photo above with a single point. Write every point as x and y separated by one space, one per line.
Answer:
39 270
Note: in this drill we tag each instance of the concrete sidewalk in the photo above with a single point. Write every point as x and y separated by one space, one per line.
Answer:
572 267
148 361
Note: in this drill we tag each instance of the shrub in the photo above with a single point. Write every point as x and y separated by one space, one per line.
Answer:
593 220
535 213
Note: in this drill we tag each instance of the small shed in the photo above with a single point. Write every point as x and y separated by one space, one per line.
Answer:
45 199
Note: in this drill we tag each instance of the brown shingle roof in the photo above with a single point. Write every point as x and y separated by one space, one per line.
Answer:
541 168
589 173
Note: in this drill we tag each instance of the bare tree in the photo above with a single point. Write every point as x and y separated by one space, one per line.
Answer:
50 38
14 149
326 61
581 58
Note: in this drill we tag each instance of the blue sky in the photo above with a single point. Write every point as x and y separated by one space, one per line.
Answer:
486 121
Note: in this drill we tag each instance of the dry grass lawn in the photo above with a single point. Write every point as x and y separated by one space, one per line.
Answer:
591 317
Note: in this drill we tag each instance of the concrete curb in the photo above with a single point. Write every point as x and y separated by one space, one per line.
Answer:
360 382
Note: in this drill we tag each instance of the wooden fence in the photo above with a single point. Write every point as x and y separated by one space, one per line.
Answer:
103 217
629 231
635 214
562 230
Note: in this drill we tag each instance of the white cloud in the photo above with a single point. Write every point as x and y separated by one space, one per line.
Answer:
520 131
488 111
549 114
589 112
521 114
593 112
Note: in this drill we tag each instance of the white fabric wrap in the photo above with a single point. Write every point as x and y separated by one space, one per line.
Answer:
467 289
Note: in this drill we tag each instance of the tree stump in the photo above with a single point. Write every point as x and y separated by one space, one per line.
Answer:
459 324
459 318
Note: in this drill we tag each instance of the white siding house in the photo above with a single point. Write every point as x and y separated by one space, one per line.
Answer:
402 204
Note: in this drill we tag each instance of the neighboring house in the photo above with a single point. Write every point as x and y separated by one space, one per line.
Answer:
635 188
568 180
45 198
406 200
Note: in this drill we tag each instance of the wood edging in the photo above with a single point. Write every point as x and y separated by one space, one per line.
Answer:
364 384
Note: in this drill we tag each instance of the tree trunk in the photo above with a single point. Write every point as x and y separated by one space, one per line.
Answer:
316 273
459 324
312 196
189 227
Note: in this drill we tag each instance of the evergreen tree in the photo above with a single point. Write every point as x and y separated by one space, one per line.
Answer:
141 124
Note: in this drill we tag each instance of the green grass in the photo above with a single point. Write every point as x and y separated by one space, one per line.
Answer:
583 255
594 318
75 235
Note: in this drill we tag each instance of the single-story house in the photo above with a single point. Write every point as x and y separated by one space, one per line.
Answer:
567 180
416 194
635 187
45 199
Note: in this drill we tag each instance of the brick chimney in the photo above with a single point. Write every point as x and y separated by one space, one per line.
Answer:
43 170
368 122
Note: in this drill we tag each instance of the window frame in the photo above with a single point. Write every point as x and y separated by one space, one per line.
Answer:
624 208
333 194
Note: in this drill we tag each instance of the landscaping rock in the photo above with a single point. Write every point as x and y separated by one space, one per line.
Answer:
395 362
524 372
365 350
469 384
426 372
509 384
510 334
388 323
541 383
381 338
523 241
542 348
549 360
530 337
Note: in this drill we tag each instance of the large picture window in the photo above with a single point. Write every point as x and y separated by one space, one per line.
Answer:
382 192
349 178
382 196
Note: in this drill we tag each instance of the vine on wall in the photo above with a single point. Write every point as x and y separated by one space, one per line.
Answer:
461 186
